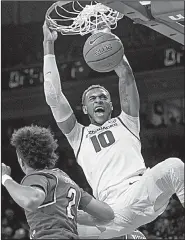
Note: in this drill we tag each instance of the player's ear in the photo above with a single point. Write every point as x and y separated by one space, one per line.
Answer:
84 108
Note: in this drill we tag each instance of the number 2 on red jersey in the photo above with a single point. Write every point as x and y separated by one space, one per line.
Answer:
71 195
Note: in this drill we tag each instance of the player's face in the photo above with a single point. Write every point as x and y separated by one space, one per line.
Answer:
98 106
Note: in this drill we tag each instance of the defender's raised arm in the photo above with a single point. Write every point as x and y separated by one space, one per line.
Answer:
27 197
129 97
55 98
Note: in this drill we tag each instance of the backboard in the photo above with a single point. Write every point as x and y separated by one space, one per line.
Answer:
165 17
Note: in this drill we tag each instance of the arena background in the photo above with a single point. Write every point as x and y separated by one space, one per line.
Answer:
157 62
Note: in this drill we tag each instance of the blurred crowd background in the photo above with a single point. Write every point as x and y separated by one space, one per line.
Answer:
158 66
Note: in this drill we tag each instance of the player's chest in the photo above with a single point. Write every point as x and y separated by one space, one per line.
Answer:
99 140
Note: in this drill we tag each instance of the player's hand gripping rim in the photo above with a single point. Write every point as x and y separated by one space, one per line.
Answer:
49 35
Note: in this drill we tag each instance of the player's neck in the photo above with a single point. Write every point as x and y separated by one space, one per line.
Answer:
99 124
29 170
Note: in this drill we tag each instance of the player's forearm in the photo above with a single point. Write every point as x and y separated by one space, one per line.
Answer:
51 76
48 47
52 88
84 218
99 210
129 96
23 195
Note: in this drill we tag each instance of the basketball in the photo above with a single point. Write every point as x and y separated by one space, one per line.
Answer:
103 51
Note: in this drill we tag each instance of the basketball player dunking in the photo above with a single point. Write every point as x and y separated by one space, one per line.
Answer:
109 149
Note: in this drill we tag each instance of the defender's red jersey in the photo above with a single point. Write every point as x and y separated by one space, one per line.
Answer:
57 217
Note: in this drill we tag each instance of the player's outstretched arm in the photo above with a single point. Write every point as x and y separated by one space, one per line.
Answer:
99 210
94 211
26 197
55 98
129 97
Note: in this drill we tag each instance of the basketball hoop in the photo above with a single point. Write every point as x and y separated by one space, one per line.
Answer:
73 18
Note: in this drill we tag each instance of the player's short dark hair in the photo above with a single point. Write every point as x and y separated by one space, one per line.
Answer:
90 88
36 146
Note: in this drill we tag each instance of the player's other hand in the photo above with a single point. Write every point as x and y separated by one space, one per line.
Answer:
49 35
5 169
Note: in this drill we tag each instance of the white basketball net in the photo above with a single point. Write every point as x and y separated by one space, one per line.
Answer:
86 19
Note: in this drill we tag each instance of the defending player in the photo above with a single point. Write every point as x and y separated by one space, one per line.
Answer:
109 149
49 197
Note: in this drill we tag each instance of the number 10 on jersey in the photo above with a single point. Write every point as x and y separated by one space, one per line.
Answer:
103 140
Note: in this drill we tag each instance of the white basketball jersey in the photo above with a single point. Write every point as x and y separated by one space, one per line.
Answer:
108 154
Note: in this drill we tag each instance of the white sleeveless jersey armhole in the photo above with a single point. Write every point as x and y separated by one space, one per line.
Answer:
132 123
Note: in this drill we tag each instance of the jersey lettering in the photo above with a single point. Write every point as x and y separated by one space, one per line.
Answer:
103 140
72 196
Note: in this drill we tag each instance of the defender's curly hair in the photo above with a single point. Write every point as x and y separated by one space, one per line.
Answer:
90 88
36 146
